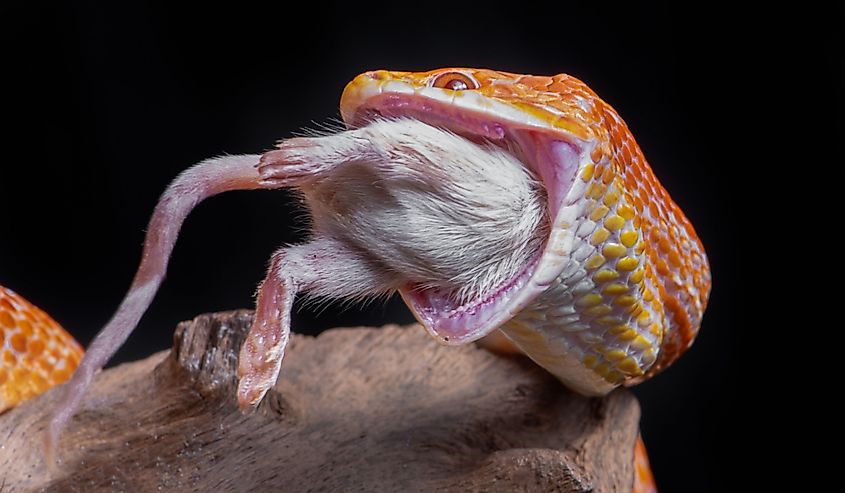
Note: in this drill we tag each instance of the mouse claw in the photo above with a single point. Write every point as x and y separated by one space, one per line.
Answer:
294 162
302 159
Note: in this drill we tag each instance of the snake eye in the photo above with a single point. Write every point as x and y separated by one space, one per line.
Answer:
455 81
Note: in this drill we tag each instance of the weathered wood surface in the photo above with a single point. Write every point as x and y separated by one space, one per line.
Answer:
355 410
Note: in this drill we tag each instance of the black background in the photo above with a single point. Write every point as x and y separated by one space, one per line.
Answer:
104 105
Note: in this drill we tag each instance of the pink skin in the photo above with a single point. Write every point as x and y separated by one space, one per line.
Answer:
262 352
323 265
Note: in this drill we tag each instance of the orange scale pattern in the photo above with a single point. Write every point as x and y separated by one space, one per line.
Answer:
36 353
676 278
643 477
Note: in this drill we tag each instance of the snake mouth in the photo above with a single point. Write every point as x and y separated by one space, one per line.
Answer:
547 152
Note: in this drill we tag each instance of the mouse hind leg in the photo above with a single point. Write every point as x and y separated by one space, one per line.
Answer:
323 267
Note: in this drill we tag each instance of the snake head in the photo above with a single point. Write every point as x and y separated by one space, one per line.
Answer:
622 281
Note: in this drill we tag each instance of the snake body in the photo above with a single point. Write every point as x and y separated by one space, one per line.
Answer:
615 296
36 353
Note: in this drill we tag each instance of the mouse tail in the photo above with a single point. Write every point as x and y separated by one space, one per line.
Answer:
195 184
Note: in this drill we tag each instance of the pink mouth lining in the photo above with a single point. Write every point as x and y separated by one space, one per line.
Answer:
553 159
459 324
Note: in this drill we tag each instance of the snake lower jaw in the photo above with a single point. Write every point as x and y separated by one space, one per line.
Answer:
452 323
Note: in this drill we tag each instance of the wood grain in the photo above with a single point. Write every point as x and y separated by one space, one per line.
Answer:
361 409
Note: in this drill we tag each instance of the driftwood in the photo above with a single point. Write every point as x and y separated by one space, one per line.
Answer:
355 410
